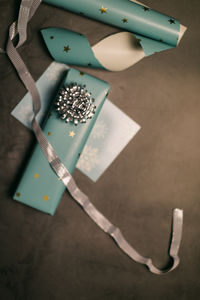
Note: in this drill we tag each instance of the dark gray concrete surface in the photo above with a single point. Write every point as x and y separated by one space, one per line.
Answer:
67 256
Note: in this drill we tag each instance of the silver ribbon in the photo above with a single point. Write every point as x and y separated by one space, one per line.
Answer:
18 28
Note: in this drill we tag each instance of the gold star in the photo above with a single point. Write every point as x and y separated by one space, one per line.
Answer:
82 73
171 21
72 134
18 194
46 198
49 133
36 175
103 10
66 49
125 20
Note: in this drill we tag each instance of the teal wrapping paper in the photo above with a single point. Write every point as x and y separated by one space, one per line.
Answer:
127 15
146 32
65 46
40 187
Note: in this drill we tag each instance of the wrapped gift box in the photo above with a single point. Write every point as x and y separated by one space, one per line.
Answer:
40 187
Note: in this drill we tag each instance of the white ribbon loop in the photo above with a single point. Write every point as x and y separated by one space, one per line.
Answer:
27 10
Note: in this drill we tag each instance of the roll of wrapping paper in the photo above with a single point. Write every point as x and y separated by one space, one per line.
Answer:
145 32
40 187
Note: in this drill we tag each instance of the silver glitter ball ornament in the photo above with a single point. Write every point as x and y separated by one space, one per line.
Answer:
75 104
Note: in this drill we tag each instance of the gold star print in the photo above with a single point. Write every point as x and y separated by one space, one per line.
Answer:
82 73
46 198
171 21
18 194
36 175
125 20
49 133
66 49
103 10
72 134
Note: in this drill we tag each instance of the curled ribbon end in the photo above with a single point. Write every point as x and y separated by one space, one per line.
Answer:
178 212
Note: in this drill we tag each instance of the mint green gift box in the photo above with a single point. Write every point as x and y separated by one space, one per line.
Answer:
40 187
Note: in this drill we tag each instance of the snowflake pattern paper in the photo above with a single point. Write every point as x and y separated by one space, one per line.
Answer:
112 131
89 159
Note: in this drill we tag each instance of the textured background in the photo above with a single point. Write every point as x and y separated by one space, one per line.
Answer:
67 256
